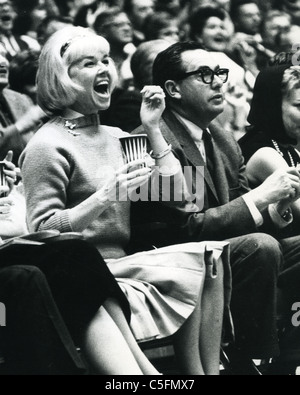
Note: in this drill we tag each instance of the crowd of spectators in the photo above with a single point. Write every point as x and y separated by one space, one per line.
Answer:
244 34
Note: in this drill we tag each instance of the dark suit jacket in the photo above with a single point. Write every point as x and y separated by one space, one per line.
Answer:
225 213
17 105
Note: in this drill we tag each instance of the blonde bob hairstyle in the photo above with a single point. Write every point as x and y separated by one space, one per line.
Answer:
55 89
291 80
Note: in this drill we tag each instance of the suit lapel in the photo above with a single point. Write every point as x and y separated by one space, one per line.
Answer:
179 131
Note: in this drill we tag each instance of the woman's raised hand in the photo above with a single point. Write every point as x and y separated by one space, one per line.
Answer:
153 106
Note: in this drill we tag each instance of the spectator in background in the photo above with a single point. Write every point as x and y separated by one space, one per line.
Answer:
171 6
161 25
29 16
137 11
64 7
207 27
114 25
87 13
289 41
12 43
69 8
223 5
22 73
19 118
50 25
247 18
292 7
274 24
124 111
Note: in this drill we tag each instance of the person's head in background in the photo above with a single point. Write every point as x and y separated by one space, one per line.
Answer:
275 104
138 10
7 16
207 27
161 25
50 25
69 8
223 4
290 102
86 14
289 41
142 61
171 6
22 73
274 24
115 26
292 7
30 14
246 16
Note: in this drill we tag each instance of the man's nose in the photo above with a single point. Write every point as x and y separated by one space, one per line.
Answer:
217 82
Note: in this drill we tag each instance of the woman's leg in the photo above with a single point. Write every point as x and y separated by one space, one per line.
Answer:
106 350
118 316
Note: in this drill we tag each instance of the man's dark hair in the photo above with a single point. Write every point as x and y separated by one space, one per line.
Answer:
200 17
235 7
23 69
43 26
168 63
156 22
104 17
127 7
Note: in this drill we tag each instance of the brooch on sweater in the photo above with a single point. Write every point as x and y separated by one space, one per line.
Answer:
71 126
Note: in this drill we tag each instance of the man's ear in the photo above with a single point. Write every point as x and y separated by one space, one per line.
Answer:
173 89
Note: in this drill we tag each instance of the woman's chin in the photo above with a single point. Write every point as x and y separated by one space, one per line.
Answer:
104 107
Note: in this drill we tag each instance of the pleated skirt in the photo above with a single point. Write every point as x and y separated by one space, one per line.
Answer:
164 285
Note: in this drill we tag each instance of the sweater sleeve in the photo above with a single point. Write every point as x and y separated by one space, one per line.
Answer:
45 170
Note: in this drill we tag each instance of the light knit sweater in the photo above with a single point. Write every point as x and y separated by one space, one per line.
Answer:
62 166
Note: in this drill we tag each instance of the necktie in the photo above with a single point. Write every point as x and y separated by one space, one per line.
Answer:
5 117
207 139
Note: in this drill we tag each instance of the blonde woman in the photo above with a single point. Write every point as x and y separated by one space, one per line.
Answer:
76 179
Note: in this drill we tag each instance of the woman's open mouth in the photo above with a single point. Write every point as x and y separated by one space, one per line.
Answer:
102 88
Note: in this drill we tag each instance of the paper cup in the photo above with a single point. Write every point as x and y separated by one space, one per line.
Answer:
134 147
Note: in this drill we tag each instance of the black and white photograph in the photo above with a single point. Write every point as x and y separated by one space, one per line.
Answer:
149 190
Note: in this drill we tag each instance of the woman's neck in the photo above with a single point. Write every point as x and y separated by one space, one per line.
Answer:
72 114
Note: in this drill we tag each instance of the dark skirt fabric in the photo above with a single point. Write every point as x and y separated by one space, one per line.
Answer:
78 278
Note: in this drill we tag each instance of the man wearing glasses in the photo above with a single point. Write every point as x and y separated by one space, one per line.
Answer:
193 83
